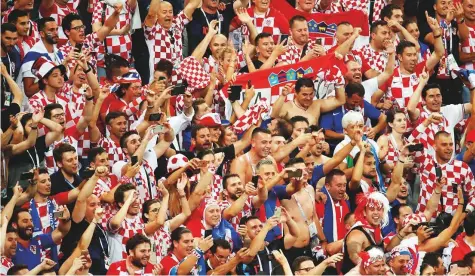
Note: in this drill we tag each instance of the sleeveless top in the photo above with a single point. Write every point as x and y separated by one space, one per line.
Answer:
347 262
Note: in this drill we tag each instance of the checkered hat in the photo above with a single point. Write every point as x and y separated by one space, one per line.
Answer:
210 120
194 74
414 219
42 66
175 162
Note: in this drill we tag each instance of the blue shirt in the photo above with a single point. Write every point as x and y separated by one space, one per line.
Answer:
471 164
316 175
31 256
277 192
332 120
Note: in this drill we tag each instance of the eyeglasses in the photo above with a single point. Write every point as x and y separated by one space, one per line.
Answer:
172 38
221 257
79 28
58 116
306 269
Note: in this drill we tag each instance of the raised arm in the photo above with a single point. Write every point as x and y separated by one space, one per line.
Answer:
434 38
191 7
152 14
292 229
258 242
415 99
63 226
16 91
191 260
153 226
244 17
109 25
178 220
358 169
80 207
330 104
119 217
200 190
277 111
200 50
407 36
238 205
434 200
32 136
390 65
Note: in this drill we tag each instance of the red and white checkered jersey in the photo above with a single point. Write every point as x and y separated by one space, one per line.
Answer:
34 34
113 150
132 109
272 22
40 100
116 44
400 87
293 54
44 213
105 185
468 46
363 5
71 136
246 210
6 264
120 269
393 154
129 228
453 114
161 241
167 44
334 7
456 172
58 12
91 42
376 60
216 186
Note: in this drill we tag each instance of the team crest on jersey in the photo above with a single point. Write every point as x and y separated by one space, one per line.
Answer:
268 22
33 249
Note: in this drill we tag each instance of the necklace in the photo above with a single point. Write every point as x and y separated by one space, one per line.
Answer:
299 106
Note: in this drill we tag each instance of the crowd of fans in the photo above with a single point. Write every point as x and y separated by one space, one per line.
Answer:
124 152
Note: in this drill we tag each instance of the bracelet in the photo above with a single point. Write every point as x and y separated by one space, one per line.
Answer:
399 236
437 36
461 204
149 106
404 162
90 98
437 193
66 220
88 69
34 127
197 253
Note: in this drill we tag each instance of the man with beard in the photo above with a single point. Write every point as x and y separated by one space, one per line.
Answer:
21 21
9 250
29 248
183 249
301 208
454 171
371 263
245 165
355 94
46 48
10 56
374 53
116 123
125 223
405 79
304 103
241 199
301 48
137 261
371 214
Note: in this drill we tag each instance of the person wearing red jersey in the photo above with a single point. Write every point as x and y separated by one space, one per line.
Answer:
374 52
26 6
266 20
137 261
116 123
467 53
21 21
465 241
58 9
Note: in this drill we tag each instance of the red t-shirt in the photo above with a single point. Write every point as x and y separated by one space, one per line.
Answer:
168 263
120 268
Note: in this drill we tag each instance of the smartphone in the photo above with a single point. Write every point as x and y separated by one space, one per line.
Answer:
283 37
235 94
178 90
416 147
87 173
277 212
202 163
454 187
57 214
134 160
319 41
208 233
249 84
365 137
158 129
155 117
438 172
27 176
78 47
246 243
296 173
255 180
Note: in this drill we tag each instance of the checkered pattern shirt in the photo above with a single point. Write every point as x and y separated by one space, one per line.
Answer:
91 42
376 60
34 34
251 116
334 7
216 186
6 264
58 12
40 100
167 44
400 87
363 5
456 172
116 44
468 46
245 212
113 150
105 185
71 136
44 213
161 241
293 54
272 22
132 109
128 229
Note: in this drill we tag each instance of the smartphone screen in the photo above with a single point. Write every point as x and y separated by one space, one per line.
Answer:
208 233
57 214
178 90
155 117
134 160
454 187
255 180
235 94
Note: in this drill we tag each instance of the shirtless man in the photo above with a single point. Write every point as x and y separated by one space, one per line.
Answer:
245 165
304 103
302 209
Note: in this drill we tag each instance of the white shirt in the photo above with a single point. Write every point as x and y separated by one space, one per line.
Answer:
355 149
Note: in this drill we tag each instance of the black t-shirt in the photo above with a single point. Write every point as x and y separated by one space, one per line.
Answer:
13 109
12 62
257 64
29 156
98 248
59 183
198 27
262 264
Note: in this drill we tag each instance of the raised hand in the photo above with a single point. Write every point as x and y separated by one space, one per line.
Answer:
17 190
458 10
433 23
157 269
101 171
66 215
38 115
212 28
206 243
243 15
249 189
182 182
98 214
281 48
332 260
47 264
279 256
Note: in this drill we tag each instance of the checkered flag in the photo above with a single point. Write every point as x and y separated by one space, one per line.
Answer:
251 116
332 75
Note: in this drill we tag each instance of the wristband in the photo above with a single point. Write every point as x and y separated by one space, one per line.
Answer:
197 253
66 220
461 204
89 69
437 36
438 193
34 127
90 98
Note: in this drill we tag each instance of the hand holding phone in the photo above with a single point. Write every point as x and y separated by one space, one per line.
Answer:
438 173
134 160
278 212
416 147
155 117
58 214
255 180
235 94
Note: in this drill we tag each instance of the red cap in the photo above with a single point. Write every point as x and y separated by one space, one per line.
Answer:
210 120
470 136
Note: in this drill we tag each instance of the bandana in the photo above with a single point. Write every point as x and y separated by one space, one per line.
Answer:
370 257
372 200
